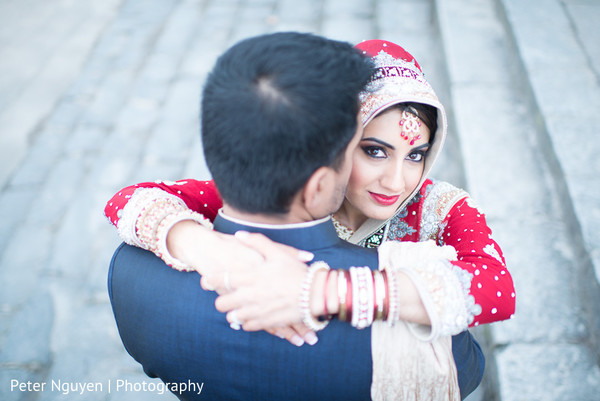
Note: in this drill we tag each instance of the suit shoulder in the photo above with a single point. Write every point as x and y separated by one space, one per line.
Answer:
345 255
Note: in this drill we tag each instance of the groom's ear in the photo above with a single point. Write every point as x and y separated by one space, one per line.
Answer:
317 192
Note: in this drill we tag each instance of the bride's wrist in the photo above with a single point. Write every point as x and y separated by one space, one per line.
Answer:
183 240
323 300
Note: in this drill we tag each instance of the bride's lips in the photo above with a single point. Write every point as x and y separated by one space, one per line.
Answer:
383 199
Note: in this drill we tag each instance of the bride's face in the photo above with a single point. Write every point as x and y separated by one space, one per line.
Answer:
386 167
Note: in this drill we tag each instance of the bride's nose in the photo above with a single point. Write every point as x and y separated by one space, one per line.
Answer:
393 179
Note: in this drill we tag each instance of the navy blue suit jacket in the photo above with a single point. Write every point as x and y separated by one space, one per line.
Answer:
171 327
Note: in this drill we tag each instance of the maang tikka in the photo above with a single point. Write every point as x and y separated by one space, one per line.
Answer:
410 126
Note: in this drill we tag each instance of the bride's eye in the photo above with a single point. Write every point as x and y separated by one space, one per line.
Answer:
416 156
376 152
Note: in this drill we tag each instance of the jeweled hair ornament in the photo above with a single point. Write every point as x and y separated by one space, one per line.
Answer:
410 125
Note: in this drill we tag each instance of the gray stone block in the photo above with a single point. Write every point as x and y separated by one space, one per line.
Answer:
493 131
28 340
14 206
548 49
584 15
544 272
292 11
182 105
26 253
349 29
12 377
171 140
547 372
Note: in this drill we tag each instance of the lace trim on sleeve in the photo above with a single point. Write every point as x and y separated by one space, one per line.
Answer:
444 289
140 200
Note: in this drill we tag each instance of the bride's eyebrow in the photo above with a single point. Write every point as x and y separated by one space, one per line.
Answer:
425 145
379 141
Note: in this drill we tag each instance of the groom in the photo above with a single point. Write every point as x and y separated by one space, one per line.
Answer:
279 126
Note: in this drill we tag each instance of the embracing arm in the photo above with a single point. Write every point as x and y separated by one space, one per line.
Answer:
491 289
188 245
126 207
171 219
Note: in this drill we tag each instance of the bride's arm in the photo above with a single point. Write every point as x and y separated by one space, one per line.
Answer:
490 285
169 218
152 200
270 295
186 243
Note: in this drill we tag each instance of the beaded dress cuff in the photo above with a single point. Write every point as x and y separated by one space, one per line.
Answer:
444 290
147 218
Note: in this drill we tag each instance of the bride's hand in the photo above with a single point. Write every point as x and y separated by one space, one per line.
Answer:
297 334
218 257
268 295
224 259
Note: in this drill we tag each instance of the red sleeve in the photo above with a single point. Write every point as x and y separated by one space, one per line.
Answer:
492 286
199 196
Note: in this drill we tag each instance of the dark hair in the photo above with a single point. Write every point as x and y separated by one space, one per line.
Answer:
426 113
275 108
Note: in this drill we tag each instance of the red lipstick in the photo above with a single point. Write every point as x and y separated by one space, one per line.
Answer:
383 199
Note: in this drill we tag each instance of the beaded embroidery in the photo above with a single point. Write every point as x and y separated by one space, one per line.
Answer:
375 239
443 287
398 227
440 197
141 198
394 76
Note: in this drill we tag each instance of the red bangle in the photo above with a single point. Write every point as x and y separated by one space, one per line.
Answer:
374 296
325 309
348 295
386 299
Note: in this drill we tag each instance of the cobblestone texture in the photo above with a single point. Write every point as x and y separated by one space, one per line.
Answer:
96 95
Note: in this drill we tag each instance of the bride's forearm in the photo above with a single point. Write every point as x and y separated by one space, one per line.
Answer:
411 307
186 241
326 300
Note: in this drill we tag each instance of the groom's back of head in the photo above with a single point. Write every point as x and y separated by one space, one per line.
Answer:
275 108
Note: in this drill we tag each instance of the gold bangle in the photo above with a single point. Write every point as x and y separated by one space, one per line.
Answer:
379 293
342 288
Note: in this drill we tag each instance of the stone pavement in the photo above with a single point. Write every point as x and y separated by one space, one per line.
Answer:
96 95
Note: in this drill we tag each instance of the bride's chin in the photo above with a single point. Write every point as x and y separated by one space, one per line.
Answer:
379 213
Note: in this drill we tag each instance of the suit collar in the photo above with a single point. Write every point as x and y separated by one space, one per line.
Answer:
310 237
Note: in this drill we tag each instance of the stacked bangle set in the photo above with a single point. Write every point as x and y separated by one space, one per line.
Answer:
157 219
364 295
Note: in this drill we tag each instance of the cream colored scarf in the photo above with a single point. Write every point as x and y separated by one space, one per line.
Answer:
410 362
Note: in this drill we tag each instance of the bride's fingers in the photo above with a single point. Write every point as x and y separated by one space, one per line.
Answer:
307 334
228 302
267 247
289 334
206 285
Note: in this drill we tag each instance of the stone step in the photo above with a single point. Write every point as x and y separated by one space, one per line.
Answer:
41 56
557 42
511 174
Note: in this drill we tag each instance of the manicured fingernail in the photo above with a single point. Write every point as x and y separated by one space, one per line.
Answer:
311 338
278 334
241 234
297 340
305 256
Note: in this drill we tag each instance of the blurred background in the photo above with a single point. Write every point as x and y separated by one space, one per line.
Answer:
99 94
